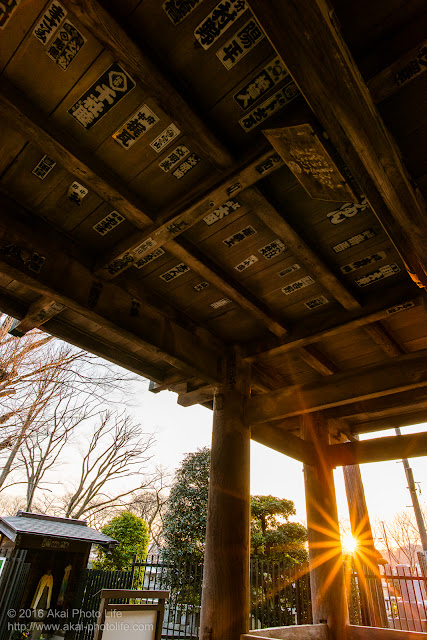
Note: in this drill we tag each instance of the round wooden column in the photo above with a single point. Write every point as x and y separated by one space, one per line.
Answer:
327 584
374 613
225 596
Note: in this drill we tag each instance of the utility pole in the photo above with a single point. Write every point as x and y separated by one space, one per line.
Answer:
415 502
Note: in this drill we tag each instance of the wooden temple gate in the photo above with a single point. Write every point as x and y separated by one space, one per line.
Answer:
226 197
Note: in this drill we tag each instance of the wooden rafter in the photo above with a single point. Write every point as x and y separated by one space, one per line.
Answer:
402 419
114 38
384 339
399 374
85 340
268 214
372 312
385 83
19 113
314 357
312 45
165 230
42 310
380 408
69 282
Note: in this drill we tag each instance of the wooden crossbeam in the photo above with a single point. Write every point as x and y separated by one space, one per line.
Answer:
39 312
322 66
402 419
68 281
314 357
198 396
399 374
210 271
15 109
378 450
391 79
82 339
115 39
382 407
20 114
268 214
274 437
391 302
170 227
384 339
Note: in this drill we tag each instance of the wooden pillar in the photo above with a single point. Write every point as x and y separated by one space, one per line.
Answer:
373 606
225 596
327 583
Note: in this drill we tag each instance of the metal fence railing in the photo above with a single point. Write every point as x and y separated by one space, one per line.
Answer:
12 583
280 595
403 594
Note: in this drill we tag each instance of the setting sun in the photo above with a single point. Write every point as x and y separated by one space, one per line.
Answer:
349 544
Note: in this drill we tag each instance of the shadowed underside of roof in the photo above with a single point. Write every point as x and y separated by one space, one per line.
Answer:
180 178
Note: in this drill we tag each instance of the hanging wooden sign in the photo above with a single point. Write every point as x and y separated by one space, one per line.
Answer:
310 163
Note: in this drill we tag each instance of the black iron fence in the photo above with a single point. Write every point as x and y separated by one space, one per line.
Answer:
88 599
279 595
13 577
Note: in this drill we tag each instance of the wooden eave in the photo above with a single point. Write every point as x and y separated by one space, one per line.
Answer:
316 290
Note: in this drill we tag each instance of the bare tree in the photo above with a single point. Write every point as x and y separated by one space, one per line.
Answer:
150 504
118 449
400 537
48 388
42 448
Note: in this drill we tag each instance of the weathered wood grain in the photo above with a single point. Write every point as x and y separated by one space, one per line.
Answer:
399 374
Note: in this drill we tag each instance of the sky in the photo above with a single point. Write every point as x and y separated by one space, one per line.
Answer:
181 430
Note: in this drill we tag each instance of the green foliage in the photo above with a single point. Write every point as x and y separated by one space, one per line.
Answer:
272 536
133 537
185 519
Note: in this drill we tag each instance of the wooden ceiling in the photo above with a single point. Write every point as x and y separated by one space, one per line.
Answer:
180 177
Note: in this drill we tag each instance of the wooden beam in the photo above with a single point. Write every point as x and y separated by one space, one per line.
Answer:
167 227
399 74
384 339
115 39
397 302
198 396
68 281
399 374
382 407
92 342
403 419
155 387
378 450
39 312
202 265
318 360
272 436
270 216
20 114
313 43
